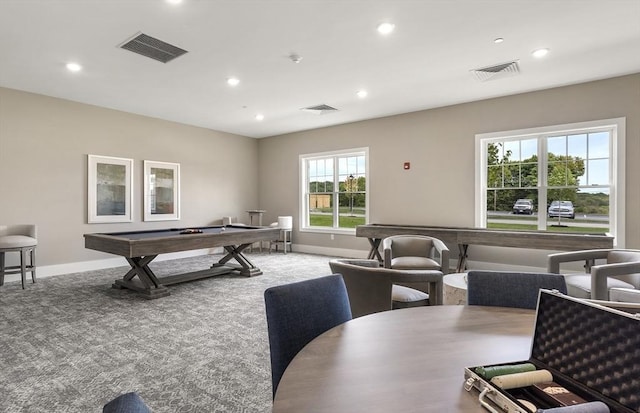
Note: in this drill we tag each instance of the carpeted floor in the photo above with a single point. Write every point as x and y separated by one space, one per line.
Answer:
70 343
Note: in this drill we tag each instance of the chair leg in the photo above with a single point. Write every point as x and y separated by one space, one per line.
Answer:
284 243
23 265
2 268
33 264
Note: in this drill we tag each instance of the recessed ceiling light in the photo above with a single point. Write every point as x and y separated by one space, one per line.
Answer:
386 28
233 81
174 1
498 40
540 52
73 67
362 94
259 117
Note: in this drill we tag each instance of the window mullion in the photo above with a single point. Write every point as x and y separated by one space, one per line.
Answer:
543 165
336 192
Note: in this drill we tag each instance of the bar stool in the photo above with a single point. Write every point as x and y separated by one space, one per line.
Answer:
21 239
285 224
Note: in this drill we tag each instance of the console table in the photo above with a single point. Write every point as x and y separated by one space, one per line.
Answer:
463 237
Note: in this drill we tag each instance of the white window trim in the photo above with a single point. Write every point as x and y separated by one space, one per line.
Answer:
617 167
303 226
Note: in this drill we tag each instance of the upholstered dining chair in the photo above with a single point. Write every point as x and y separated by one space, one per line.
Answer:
607 271
126 403
372 289
299 312
415 252
22 239
510 289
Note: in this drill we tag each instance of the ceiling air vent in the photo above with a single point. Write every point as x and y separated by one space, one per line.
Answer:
497 71
153 48
320 109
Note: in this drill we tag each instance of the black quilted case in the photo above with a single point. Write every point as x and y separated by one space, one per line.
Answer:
592 351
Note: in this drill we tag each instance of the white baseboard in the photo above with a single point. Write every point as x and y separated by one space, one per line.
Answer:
73 267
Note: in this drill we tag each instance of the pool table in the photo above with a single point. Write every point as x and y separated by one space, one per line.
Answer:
139 248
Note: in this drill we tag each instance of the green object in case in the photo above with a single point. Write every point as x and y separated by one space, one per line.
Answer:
492 371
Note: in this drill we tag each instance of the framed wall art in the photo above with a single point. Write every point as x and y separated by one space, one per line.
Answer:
161 191
110 189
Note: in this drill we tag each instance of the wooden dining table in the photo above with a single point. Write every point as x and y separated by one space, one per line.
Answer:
409 360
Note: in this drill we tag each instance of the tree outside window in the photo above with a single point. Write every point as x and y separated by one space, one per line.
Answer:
577 177
336 194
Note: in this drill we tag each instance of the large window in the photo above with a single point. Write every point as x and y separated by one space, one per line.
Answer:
334 190
567 178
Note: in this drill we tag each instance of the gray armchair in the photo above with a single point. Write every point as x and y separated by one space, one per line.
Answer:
609 273
415 252
627 295
373 289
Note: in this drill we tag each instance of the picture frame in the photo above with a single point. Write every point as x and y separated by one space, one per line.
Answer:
161 191
109 189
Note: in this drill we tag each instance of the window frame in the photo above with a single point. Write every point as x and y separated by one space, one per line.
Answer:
303 198
617 128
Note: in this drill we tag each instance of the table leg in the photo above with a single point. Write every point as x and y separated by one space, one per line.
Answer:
245 267
374 253
149 286
462 257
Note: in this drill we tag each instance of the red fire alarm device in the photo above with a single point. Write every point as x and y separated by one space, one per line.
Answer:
407 165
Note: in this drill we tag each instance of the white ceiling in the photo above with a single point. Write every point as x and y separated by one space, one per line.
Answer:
424 63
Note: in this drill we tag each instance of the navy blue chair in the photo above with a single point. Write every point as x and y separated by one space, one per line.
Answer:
299 312
510 289
126 403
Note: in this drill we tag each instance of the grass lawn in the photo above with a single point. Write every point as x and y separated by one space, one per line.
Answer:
572 229
347 221
327 221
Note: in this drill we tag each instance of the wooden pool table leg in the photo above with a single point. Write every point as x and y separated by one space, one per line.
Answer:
149 286
246 267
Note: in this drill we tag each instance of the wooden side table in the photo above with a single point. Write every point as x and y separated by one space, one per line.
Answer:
257 215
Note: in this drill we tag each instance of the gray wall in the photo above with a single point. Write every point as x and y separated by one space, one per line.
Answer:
44 144
440 144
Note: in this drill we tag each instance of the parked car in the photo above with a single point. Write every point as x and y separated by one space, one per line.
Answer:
562 209
523 206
